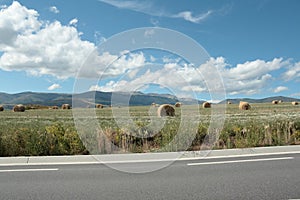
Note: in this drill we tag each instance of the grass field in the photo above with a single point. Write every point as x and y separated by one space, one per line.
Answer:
53 132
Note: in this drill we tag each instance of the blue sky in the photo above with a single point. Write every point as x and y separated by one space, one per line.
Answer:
253 44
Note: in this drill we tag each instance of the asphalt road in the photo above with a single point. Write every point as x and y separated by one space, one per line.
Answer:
255 177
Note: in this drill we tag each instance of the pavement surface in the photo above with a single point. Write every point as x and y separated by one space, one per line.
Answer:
256 173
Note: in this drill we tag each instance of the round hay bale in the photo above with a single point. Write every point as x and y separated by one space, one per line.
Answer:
166 110
1 108
65 106
280 101
19 108
228 102
153 104
55 107
295 103
178 105
244 106
275 102
206 105
99 106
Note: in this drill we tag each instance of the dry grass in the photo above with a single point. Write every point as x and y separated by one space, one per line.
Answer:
54 131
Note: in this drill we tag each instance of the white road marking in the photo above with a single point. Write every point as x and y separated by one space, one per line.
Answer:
28 170
240 161
98 160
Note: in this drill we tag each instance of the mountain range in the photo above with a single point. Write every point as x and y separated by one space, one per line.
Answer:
119 98
90 98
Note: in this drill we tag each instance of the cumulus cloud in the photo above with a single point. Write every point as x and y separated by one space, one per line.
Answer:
54 86
37 47
51 48
54 50
54 9
247 78
73 22
280 89
40 48
293 72
14 20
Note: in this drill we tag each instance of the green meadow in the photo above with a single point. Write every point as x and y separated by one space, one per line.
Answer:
53 132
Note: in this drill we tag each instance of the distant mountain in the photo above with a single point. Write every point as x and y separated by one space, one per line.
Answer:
89 99
108 98
49 99
264 100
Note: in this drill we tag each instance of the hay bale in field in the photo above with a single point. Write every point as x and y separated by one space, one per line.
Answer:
166 110
206 105
19 108
275 102
55 107
1 108
65 106
99 106
244 105
295 103
153 104
178 105
228 102
280 101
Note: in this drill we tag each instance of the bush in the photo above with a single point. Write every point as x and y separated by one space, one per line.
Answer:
55 139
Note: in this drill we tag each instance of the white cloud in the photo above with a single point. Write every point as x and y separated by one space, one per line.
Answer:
137 6
51 48
293 72
188 16
99 38
54 50
73 22
246 78
14 20
41 48
150 9
54 9
152 58
54 86
37 47
296 94
112 86
96 88
149 32
280 89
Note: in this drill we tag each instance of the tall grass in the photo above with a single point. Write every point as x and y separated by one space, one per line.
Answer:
52 132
